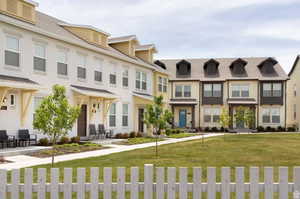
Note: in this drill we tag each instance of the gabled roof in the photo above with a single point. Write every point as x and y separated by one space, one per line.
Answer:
84 26
145 47
239 60
36 4
269 59
198 73
113 40
294 65
17 79
211 61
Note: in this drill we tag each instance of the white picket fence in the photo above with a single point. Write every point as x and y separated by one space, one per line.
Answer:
154 185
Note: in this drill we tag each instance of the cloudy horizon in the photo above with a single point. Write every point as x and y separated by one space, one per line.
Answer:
197 29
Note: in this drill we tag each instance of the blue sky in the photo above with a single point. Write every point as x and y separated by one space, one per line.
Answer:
194 28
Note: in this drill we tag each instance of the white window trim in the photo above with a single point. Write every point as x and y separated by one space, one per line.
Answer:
115 114
19 37
211 113
270 115
125 114
182 90
12 105
126 76
141 81
34 55
240 90
162 82
99 68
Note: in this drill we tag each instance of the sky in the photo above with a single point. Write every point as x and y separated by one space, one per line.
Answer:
194 28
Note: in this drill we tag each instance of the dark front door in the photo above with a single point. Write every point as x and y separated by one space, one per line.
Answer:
141 120
82 121
240 124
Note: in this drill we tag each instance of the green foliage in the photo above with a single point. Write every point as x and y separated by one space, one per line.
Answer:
239 114
55 116
249 118
75 139
44 142
225 118
64 140
132 134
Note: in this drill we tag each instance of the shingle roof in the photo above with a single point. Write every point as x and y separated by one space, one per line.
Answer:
144 47
17 79
92 89
252 70
121 39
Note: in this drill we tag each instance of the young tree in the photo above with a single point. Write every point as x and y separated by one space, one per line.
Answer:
239 115
249 118
225 119
55 116
157 118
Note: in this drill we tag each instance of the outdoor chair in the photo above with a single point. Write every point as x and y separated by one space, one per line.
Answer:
103 132
92 132
9 140
25 138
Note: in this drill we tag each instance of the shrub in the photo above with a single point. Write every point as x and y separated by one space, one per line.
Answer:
75 139
139 135
260 129
291 129
132 134
168 132
118 136
268 129
207 129
44 142
64 140
214 129
125 136
280 129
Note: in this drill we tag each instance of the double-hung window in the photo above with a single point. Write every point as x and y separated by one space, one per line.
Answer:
295 111
81 67
212 115
125 78
112 115
141 81
39 59
272 89
183 91
62 66
113 75
98 71
162 84
12 52
240 91
271 115
212 90
125 115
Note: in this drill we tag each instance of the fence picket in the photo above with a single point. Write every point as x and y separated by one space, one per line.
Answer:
254 177
134 187
67 183
41 183
94 182
54 183
80 183
171 182
28 183
107 183
15 181
240 183
269 188
148 178
225 180
160 180
296 179
211 183
197 188
121 183
283 183
3 182
183 183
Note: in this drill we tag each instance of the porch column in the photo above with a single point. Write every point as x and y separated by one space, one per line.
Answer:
26 97
173 120
3 93
193 116
231 116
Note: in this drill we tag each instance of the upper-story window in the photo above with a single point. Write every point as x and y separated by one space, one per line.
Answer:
211 67
183 69
12 52
162 84
98 71
125 78
212 90
272 89
113 76
238 67
81 67
62 66
112 115
183 91
240 90
39 59
295 90
141 81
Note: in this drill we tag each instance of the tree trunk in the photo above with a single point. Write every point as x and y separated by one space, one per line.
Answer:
53 150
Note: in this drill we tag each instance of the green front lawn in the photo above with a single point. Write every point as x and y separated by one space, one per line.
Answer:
236 150
182 135
138 140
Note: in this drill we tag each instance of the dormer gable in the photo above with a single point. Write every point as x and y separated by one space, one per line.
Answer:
124 44
145 52
183 69
88 33
160 64
237 67
267 66
211 67
21 9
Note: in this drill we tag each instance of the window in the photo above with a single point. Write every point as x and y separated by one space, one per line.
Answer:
98 71
113 79
295 90
125 115
141 81
211 115
272 89
62 67
39 59
271 115
162 84
240 91
112 115
12 52
81 70
212 90
295 111
12 100
125 78
183 91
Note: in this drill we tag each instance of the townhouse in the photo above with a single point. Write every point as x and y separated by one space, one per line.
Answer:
201 88
111 78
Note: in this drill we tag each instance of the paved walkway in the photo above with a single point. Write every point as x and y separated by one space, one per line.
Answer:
21 161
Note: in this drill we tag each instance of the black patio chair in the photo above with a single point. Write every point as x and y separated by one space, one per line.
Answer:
92 132
104 133
25 138
9 140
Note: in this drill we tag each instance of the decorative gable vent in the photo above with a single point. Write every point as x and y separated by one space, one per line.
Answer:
211 67
238 67
183 69
20 9
267 66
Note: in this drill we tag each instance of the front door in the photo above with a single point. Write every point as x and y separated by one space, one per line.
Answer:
182 118
141 120
240 124
82 121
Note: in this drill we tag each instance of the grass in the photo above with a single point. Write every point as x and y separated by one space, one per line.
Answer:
139 140
182 135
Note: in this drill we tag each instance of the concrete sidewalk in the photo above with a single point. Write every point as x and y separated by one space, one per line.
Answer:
21 161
